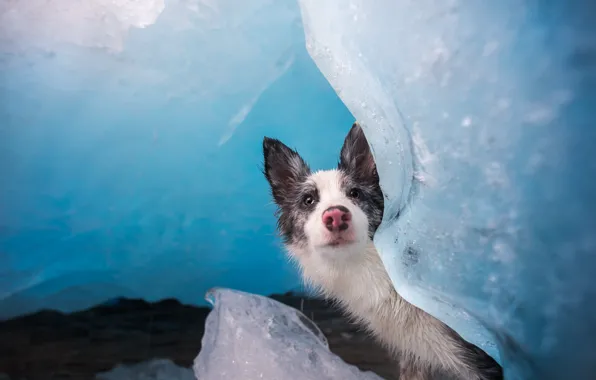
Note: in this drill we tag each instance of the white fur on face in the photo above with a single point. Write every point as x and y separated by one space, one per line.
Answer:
331 193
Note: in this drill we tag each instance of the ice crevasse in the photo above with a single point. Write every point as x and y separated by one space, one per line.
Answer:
480 116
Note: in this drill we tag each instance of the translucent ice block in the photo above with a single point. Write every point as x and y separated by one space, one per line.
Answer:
252 337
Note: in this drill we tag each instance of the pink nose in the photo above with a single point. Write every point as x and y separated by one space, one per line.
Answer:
337 218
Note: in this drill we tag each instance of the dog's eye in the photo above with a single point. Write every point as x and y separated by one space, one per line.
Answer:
308 200
354 193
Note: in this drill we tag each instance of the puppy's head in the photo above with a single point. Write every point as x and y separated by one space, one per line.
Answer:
334 213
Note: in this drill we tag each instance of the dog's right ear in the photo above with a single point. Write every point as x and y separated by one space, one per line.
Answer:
356 157
284 169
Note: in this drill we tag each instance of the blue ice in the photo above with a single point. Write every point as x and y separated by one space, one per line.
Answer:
130 147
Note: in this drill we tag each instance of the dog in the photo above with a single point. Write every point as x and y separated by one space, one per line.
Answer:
327 220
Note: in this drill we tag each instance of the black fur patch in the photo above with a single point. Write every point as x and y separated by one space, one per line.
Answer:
286 173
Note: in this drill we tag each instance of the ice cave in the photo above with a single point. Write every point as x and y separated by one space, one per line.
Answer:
131 152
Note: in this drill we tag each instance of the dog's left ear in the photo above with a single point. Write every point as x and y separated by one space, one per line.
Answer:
356 157
284 169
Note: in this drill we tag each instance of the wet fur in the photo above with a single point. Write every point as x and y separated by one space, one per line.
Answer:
354 275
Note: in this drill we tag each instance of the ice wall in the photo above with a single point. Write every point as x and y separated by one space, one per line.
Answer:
130 146
481 119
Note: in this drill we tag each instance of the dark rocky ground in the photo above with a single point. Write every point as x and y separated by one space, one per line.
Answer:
50 345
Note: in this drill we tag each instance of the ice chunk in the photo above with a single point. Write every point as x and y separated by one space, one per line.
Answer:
157 369
480 115
252 337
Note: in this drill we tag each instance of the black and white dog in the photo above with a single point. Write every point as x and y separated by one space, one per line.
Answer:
327 220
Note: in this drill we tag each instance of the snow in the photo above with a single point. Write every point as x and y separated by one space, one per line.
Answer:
253 337
479 115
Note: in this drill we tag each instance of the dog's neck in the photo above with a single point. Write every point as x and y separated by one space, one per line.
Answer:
358 281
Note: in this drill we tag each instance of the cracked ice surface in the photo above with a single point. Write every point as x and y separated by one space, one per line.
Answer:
480 117
253 337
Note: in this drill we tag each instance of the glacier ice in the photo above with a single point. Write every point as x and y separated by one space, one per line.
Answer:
129 146
480 115
253 337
